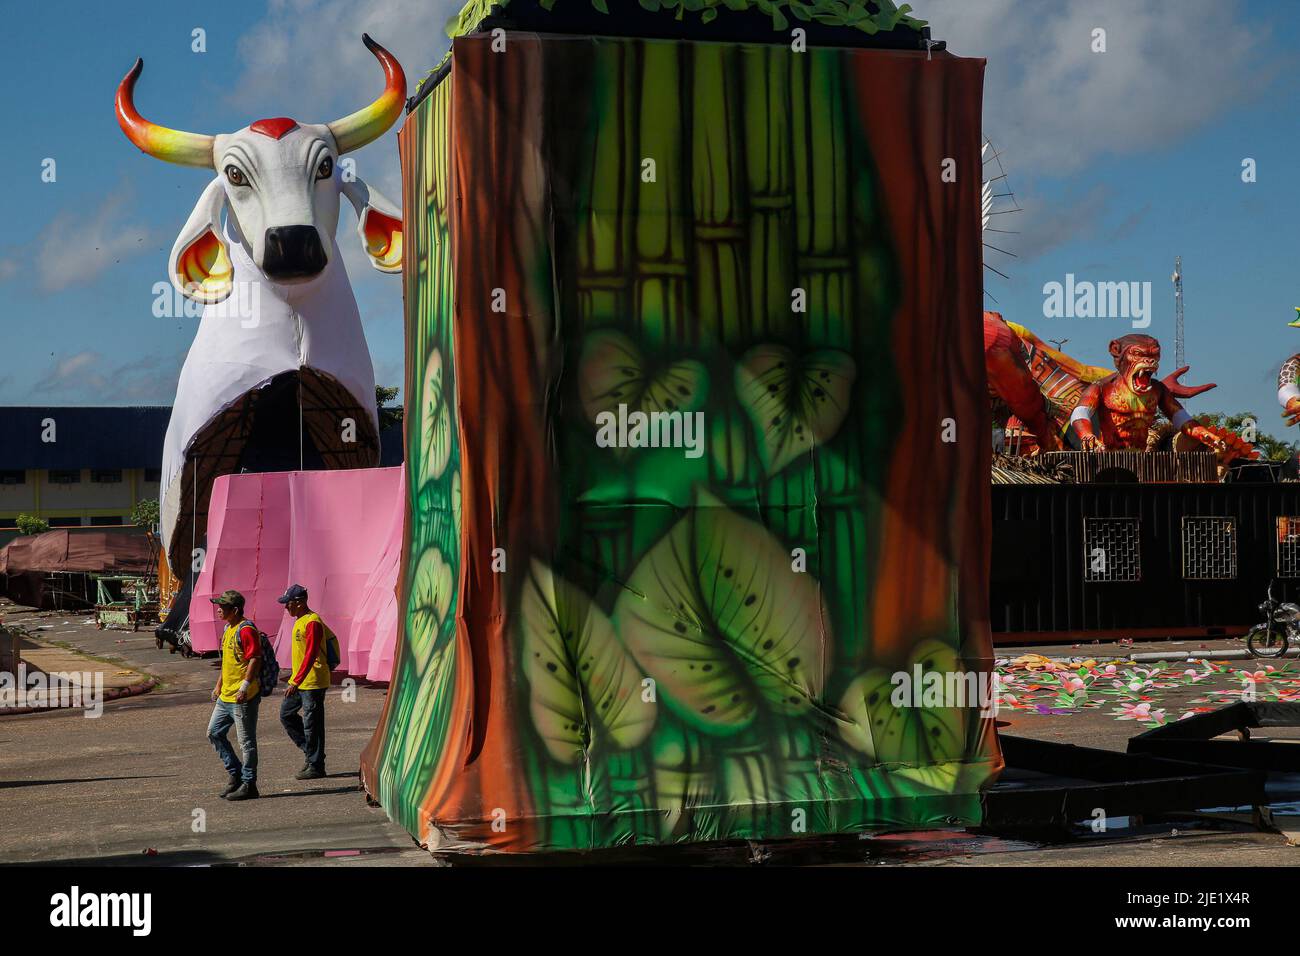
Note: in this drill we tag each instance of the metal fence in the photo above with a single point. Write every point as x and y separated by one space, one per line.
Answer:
1146 559
1144 466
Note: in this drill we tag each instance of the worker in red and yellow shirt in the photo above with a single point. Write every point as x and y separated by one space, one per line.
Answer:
309 681
237 696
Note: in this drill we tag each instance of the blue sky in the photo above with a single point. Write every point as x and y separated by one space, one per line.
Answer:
1125 159
1120 161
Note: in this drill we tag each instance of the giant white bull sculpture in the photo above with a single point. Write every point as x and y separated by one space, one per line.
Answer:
279 367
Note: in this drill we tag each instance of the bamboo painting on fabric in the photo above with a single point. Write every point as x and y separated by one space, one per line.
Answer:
698 464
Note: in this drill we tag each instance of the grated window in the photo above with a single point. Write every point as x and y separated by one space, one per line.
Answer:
1110 549
1209 548
1288 547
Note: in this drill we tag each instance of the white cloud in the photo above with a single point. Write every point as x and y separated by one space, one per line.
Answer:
1042 225
90 377
305 59
74 247
68 369
310 52
1053 106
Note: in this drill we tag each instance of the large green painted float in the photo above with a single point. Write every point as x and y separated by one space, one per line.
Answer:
697 453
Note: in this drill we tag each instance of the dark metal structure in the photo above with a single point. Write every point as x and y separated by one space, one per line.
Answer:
1051 787
1200 738
1108 467
1073 561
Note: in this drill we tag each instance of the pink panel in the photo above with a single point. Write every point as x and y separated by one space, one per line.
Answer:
375 624
247 549
337 533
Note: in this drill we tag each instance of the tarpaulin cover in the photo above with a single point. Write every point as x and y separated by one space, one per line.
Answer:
337 533
26 561
107 552
607 641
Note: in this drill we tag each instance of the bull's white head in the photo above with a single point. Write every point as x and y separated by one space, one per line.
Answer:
278 182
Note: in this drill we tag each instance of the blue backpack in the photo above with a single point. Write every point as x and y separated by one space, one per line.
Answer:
269 674
331 650
332 656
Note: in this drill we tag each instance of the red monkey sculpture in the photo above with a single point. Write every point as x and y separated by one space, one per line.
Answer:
1125 403
1042 386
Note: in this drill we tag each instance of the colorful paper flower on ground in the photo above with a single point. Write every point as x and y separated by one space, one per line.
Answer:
1073 685
1256 677
1141 712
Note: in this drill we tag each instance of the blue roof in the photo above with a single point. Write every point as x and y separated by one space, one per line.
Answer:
84 436
105 437
391 451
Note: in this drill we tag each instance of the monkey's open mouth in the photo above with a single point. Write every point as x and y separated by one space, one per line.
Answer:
1142 375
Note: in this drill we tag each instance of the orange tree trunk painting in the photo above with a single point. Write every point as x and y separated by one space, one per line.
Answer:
696 463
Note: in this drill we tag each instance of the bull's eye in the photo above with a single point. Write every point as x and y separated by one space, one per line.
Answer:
326 168
235 176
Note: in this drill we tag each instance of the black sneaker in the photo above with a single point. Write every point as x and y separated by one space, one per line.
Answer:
231 786
310 773
246 791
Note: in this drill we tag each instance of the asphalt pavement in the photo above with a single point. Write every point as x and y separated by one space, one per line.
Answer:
139 784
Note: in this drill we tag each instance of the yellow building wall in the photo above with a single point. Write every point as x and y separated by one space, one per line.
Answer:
85 499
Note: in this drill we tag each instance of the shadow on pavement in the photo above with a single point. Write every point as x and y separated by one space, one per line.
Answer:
308 793
175 858
13 784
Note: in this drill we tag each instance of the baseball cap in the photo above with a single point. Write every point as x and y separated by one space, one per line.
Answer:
296 592
230 596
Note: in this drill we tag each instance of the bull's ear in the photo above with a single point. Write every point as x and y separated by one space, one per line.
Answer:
379 224
200 262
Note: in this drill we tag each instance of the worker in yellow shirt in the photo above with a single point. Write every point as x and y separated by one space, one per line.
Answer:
309 681
237 695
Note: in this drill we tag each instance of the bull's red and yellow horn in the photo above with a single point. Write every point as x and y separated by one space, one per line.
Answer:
172 145
354 131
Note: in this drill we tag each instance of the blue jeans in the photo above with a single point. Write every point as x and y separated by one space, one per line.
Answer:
307 731
243 717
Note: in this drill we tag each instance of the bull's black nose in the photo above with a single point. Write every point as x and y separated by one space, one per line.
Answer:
293 252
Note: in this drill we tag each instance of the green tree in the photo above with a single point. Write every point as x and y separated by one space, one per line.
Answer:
30 524
1272 447
145 513
388 414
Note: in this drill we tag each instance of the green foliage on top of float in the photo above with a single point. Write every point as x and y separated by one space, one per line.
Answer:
868 16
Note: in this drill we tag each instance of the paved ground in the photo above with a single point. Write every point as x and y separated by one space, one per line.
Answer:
132 786
1174 687
134 781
